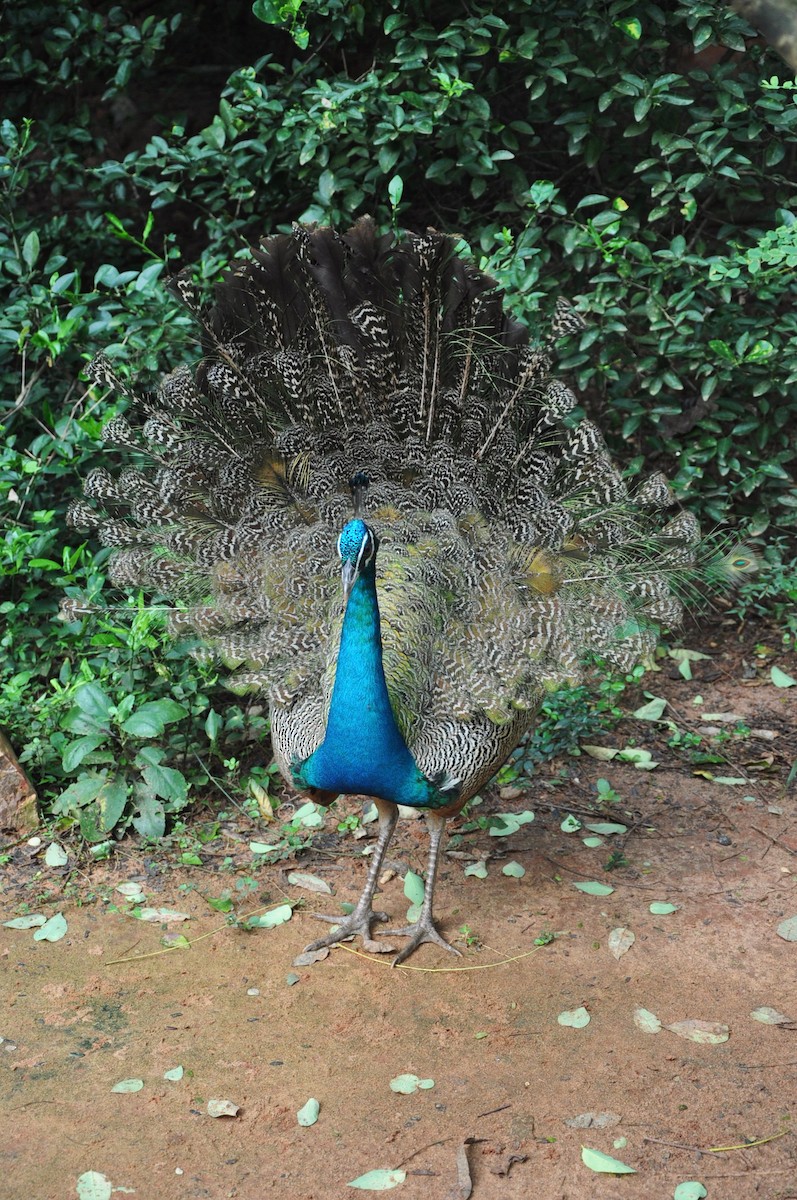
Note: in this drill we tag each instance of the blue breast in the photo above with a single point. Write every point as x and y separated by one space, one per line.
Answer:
363 751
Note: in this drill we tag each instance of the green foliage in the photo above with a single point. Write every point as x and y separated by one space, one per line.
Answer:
638 159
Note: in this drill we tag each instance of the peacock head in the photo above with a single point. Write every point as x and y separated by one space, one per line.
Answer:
357 546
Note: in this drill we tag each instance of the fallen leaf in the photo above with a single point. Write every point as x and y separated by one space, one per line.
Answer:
378 1181
165 916
128 1085
29 921
514 870
52 930
311 883
570 824
291 978
511 823
705 1033
604 1163
414 888
787 929
781 679
464 1181
724 718
602 753
308 957
576 1018
174 1074
662 908
769 1016
607 827
308 1114
593 1120
592 888
55 855
651 711
262 848
691 1189
620 941
477 869
268 920
592 842
642 759
647 1021
92 1185
405 1085
222 1108
130 890
729 780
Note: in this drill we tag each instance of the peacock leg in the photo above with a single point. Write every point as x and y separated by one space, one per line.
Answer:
359 921
424 929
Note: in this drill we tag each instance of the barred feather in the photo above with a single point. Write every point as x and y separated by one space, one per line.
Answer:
509 544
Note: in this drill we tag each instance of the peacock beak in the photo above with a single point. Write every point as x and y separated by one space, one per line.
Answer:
348 576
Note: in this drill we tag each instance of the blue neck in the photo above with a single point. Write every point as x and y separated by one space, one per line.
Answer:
363 751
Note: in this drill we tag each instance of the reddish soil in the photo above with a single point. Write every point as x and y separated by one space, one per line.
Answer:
506 1073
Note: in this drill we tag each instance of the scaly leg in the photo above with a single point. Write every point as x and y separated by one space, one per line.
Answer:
424 929
359 921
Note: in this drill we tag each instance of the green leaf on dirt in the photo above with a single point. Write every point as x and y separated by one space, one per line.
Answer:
781 679
405 1085
592 842
788 929
92 1185
161 916
175 941
477 869
602 753
414 888
596 1160
262 848
576 1018
128 1085
131 891
651 711
268 920
309 815
55 855
52 930
662 908
292 978
592 888
29 921
769 1016
646 1021
310 882
308 1114
510 823
642 759
620 941
514 870
729 780
607 827
691 1189
570 824
174 1075
377 1181
705 1033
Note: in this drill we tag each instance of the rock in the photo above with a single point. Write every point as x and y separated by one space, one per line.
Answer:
17 794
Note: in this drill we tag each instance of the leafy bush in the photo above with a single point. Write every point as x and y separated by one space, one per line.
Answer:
637 158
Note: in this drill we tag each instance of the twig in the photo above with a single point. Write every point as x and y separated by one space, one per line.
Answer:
490 1111
415 1153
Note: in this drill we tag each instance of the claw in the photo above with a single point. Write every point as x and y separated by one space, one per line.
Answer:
420 932
357 924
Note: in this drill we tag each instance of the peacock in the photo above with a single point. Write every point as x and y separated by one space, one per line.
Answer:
376 504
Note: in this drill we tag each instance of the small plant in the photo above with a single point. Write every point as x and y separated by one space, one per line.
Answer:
606 793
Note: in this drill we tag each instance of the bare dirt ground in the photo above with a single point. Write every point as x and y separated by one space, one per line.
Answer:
506 1073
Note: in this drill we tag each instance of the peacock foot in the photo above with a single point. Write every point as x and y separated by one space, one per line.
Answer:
357 923
422 931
